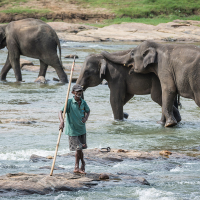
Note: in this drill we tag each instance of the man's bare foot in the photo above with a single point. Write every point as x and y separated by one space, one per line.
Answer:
83 167
76 171
82 172
79 171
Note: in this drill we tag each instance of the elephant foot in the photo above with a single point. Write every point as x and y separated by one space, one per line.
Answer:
64 79
170 123
126 115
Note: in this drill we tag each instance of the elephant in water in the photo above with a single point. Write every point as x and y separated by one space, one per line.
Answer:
176 65
122 86
32 38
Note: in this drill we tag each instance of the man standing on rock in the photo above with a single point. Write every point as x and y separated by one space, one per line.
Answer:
77 114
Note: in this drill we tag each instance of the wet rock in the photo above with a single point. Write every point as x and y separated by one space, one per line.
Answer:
142 180
71 56
36 158
196 148
194 154
103 176
117 155
121 150
49 157
185 30
24 183
56 79
31 68
165 153
24 62
40 79
18 121
49 167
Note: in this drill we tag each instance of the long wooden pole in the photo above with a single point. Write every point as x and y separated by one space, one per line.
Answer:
61 130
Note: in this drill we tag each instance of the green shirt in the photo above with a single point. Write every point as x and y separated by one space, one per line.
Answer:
74 115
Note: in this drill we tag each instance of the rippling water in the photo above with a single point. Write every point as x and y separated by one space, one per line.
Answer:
38 103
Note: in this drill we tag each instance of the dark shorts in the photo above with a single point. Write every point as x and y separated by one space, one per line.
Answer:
76 142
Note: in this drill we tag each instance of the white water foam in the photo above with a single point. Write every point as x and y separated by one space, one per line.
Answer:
25 154
153 194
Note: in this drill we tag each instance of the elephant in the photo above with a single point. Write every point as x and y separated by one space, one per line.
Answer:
123 86
176 65
32 38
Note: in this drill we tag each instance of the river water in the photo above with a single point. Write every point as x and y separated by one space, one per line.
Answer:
39 103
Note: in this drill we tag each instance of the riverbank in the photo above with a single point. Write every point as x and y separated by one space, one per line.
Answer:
176 31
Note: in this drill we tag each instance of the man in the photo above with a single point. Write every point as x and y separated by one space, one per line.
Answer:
77 114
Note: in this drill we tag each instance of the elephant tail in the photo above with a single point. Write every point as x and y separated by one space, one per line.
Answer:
59 47
179 103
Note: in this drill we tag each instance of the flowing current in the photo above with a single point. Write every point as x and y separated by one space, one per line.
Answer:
39 105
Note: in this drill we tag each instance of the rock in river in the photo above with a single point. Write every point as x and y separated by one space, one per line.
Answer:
23 183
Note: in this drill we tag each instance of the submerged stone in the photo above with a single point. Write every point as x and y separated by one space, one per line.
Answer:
103 176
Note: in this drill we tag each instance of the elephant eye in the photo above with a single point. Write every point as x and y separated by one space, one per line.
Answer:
145 53
86 73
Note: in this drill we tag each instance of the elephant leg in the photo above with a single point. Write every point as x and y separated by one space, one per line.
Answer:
14 57
156 95
168 96
197 99
55 63
127 98
43 68
5 69
117 101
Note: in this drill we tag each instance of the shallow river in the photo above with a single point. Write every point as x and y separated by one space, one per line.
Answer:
39 103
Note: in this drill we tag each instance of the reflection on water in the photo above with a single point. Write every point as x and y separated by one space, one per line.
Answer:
170 179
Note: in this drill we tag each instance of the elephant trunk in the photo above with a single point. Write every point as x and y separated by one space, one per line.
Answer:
116 58
2 34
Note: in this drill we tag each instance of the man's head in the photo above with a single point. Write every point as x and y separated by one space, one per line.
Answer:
77 90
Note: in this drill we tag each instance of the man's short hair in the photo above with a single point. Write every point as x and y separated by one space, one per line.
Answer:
77 87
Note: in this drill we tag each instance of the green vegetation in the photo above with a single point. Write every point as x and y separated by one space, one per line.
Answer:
152 21
147 11
143 11
44 19
147 8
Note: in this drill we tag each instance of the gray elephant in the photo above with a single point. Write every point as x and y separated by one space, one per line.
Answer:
32 38
122 85
177 67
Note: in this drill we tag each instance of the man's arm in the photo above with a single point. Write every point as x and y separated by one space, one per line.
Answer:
86 116
60 115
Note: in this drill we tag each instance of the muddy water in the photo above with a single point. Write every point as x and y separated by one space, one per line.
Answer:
39 105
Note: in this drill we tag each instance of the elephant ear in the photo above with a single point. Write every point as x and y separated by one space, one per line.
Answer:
149 56
103 66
